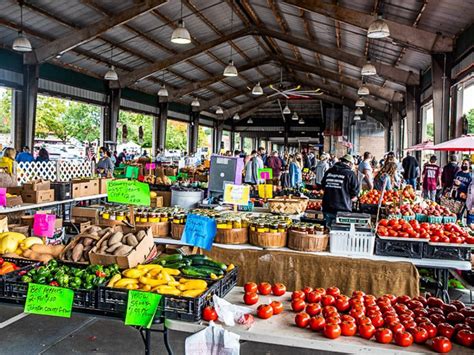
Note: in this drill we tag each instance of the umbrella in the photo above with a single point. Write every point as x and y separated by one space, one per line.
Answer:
460 144
427 145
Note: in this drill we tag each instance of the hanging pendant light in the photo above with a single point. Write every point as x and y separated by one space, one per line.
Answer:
180 34
356 118
358 111
21 43
295 116
360 103
163 92
301 121
286 110
378 29
231 70
257 90
368 69
195 103
219 111
363 90
236 116
250 121
111 74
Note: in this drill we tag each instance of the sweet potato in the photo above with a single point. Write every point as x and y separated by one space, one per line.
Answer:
77 252
54 250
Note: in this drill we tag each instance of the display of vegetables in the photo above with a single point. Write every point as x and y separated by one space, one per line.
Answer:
7 267
372 197
117 243
434 232
56 274
432 209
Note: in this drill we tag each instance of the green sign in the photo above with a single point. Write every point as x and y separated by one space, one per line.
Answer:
49 300
129 192
265 174
131 172
141 308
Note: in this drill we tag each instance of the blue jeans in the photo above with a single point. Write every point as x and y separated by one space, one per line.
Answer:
329 218
411 182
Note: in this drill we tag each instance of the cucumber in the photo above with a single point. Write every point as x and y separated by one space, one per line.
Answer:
208 269
178 264
163 260
211 263
193 272
196 257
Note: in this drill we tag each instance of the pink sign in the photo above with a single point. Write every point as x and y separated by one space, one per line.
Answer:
43 225
3 196
150 166
264 175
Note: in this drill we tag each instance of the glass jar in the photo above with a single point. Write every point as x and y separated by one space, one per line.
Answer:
112 216
261 228
310 229
253 227
106 214
273 228
229 224
237 223
281 227
164 217
120 216
176 219
221 224
153 218
144 218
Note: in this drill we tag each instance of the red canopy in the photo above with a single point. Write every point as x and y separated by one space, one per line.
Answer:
427 145
461 144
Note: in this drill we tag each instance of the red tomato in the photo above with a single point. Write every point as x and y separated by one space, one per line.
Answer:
277 307
397 328
347 318
298 305
333 320
358 294
414 304
250 287
420 320
390 319
264 288
409 325
264 311
298 295
420 335
348 329
313 309
332 331
363 320
302 319
307 290
209 313
430 328
333 291
437 318
405 318
465 337
420 312
455 318
357 314
250 298
391 297
317 323
434 302
321 290
446 330
458 304
328 310
278 289
328 300
441 345
313 297
403 339
342 303
383 335
448 308
366 331
377 321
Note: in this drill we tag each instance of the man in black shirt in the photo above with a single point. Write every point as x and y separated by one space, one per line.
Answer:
341 187
410 169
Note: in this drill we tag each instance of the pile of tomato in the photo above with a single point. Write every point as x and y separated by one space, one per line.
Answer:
436 233
372 197
402 319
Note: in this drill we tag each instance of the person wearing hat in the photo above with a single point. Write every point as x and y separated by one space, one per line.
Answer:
431 178
321 169
341 187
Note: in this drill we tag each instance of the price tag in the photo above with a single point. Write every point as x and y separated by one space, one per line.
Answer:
141 308
199 231
150 166
131 172
128 192
237 194
265 174
3 196
49 300
43 225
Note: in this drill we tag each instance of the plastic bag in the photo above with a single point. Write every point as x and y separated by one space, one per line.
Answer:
213 340
227 312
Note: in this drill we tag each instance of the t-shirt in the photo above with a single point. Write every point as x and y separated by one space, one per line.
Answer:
365 165
410 165
431 174
465 179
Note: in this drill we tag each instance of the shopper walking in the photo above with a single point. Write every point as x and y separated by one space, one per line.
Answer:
274 162
25 156
431 178
387 177
365 172
410 169
321 169
251 169
341 187
449 172
462 180
295 168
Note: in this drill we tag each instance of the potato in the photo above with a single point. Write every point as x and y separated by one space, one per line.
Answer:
87 241
102 249
140 235
43 257
113 247
54 250
123 250
124 239
116 237
132 240
77 252
93 229
103 232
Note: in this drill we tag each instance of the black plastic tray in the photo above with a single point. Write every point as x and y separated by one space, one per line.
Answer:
401 248
24 265
446 252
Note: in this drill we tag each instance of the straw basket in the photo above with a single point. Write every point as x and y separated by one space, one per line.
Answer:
177 230
268 240
290 205
303 241
232 236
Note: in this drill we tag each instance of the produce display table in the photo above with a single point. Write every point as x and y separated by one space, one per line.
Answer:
281 330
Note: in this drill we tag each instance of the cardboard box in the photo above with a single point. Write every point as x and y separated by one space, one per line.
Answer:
103 185
92 188
76 190
40 196
171 171
166 195
37 185
156 201
137 256
15 190
85 214
14 201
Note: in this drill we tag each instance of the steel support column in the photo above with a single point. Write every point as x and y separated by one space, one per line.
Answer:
397 129
110 117
232 139
162 124
194 131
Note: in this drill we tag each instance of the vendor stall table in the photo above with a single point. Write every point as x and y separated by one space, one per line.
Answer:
281 330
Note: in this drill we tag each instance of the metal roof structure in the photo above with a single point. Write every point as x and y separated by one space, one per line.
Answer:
315 43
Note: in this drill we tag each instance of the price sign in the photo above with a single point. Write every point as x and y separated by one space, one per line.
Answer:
199 231
150 166
265 174
141 308
131 172
237 194
129 192
3 196
49 300
43 225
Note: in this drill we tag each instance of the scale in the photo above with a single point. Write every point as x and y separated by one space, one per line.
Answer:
353 218
353 224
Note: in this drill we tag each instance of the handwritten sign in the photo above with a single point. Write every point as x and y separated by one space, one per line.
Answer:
128 192
265 174
131 172
43 225
199 231
3 196
49 300
150 166
265 190
141 308
237 194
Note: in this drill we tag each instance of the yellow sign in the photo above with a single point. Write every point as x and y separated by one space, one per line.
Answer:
265 191
237 194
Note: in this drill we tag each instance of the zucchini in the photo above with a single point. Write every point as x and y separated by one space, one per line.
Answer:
163 260
193 272
209 270
211 263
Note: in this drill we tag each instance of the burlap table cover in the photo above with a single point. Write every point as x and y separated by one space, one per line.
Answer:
297 270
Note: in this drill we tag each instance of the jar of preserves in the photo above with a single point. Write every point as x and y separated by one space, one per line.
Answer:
120 216
310 229
112 216
221 224
273 228
229 223
153 218
252 227
261 227
164 217
237 223
105 214
281 227
144 217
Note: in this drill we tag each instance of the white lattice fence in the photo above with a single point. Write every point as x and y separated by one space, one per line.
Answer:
54 170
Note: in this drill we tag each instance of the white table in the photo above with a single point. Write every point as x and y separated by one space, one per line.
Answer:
281 330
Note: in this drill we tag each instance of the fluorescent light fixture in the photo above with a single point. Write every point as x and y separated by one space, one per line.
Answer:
163 92
180 34
286 110
358 111
230 69
257 90
295 116
250 121
236 116
378 29
219 111
360 103
363 90
195 103
111 74
368 69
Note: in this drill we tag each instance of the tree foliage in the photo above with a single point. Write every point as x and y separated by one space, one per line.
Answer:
176 135
5 110
134 121
470 120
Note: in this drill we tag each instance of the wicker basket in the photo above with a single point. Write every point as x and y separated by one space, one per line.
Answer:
268 240
232 236
177 230
160 229
290 205
303 241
